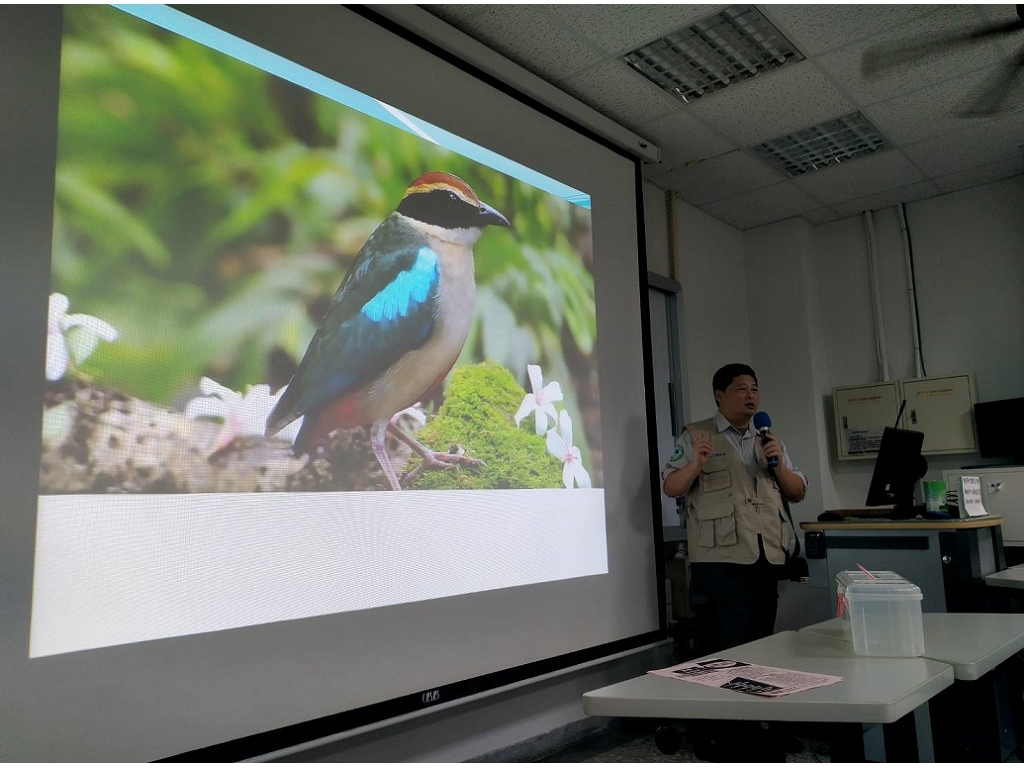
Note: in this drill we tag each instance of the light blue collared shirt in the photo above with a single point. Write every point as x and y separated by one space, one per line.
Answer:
744 442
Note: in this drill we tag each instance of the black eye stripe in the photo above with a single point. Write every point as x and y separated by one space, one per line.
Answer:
442 207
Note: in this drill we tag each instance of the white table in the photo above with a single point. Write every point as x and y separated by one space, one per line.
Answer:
1009 586
973 644
1011 578
975 719
873 691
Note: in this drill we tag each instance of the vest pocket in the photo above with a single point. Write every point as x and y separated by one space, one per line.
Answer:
715 479
716 523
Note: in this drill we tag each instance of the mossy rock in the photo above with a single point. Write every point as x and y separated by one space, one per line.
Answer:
478 414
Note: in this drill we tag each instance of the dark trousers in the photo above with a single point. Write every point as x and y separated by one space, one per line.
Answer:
735 604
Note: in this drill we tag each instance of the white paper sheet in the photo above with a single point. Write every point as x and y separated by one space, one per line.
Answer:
971 489
755 679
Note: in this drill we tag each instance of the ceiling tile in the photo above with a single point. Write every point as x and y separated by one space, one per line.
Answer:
772 104
887 198
453 14
844 65
574 47
821 215
614 89
762 206
682 138
999 13
531 38
993 141
656 173
983 174
860 176
723 176
619 29
936 110
819 28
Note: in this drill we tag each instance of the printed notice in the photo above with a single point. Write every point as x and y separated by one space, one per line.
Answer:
970 488
865 440
740 676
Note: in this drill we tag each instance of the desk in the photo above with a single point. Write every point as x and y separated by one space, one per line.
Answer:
874 691
972 643
1011 578
975 719
1008 588
947 559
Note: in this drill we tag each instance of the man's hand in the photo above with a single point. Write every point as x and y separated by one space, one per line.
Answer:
772 447
790 483
702 448
678 482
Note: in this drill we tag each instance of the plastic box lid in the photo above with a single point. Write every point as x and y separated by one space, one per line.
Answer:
886 585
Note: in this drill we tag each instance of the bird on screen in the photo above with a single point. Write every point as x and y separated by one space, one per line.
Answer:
395 326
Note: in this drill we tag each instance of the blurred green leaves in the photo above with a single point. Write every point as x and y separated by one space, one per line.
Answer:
208 210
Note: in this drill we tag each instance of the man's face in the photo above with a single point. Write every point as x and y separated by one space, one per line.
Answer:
740 400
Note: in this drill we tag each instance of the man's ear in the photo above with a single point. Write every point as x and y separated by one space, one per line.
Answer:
718 396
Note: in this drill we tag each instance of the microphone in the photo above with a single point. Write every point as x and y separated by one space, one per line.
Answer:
763 425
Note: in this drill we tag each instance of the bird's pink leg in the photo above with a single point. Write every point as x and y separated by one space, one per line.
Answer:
431 459
378 440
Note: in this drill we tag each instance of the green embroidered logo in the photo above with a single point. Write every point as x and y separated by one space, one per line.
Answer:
677 454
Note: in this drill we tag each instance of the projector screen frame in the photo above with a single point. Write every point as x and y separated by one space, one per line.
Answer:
256 744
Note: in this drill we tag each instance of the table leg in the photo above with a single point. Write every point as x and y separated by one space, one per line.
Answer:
845 742
977 720
909 739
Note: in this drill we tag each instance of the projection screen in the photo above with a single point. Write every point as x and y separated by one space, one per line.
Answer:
324 385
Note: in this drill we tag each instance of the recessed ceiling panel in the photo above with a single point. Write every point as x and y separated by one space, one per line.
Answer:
728 47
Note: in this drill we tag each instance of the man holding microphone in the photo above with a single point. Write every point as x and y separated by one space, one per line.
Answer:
734 480
735 520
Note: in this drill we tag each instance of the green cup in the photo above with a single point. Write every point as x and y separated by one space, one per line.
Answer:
935 495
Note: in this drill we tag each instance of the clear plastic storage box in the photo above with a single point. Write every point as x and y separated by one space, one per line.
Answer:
881 613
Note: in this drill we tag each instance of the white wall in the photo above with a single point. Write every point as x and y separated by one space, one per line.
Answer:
969 257
846 350
969 267
713 317
779 260
969 264
656 229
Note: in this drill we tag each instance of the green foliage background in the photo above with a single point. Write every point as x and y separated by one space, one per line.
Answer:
207 210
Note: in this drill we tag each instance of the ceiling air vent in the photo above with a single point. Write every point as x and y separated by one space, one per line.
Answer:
829 143
733 45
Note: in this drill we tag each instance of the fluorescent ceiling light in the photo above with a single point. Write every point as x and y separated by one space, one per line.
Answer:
829 143
733 45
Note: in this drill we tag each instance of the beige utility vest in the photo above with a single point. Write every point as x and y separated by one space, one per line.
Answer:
726 509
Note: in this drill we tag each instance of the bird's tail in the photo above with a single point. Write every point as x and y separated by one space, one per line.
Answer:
311 432
282 415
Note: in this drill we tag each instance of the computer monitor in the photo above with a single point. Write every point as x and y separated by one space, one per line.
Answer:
1000 424
898 467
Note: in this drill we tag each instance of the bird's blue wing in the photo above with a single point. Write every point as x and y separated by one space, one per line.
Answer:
384 307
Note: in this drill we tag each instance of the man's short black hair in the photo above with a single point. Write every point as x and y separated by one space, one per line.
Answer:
724 375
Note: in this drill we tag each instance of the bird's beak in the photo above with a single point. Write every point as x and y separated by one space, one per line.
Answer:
491 216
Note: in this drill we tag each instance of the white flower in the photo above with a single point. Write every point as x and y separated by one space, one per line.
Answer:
542 400
560 446
414 413
71 337
244 416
